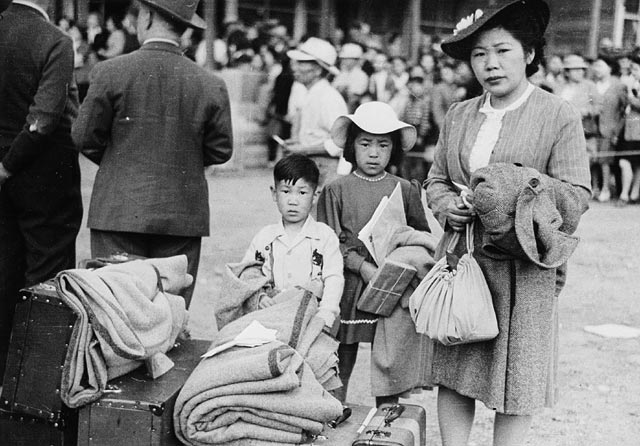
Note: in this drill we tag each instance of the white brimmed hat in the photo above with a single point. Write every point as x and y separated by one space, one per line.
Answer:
316 50
377 118
350 51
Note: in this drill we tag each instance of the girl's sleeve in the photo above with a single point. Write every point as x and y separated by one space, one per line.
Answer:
416 217
439 188
329 209
333 275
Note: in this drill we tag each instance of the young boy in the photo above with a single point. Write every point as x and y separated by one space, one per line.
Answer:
298 251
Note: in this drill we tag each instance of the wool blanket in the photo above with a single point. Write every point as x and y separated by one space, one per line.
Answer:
401 357
266 395
127 313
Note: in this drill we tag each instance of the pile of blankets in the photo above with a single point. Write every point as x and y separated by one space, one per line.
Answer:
127 313
273 394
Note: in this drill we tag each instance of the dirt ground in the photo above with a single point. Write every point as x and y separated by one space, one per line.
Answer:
599 378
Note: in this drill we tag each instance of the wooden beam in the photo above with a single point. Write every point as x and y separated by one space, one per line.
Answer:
592 48
300 20
210 33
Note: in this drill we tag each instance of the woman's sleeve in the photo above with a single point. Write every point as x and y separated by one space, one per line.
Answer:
329 209
416 217
569 166
439 189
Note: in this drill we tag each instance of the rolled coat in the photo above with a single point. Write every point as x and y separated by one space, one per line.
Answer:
515 372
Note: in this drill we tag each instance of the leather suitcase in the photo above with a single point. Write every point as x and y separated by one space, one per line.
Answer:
25 430
40 335
395 425
138 410
346 432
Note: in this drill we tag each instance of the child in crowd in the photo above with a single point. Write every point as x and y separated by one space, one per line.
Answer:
298 251
372 138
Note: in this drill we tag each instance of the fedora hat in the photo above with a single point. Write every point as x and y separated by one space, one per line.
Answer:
459 44
377 118
316 50
4 4
573 61
184 11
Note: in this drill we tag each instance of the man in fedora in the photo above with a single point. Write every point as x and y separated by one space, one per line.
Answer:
316 107
40 201
153 120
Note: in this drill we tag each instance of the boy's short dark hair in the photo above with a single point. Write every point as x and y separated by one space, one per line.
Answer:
353 131
295 166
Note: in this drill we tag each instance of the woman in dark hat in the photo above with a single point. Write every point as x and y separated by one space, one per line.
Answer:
516 123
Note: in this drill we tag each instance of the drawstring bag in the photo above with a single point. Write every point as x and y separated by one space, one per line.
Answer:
452 304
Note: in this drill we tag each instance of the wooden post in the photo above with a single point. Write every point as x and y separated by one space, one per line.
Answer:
210 33
592 49
231 11
415 35
327 19
300 20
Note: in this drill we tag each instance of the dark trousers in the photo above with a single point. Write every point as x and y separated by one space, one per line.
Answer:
106 243
39 222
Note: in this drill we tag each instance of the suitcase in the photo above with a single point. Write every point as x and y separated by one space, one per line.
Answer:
25 430
40 335
395 425
345 433
138 410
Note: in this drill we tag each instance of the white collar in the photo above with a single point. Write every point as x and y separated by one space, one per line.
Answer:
34 6
160 39
308 230
487 108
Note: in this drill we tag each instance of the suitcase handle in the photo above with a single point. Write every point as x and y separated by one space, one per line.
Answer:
393 413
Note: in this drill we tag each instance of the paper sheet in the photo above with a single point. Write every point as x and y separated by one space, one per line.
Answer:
254 335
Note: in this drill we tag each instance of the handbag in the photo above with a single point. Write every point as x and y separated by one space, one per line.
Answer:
452 304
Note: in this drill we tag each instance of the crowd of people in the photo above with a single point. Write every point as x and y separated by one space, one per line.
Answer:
352 117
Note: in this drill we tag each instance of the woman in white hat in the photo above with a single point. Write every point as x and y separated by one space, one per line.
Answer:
512 122
372 139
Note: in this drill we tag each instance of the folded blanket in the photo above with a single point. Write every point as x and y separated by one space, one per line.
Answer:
126 313
265 395
396 338
241 284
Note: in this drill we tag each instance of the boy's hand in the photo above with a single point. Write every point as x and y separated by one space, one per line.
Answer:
265 302
327 316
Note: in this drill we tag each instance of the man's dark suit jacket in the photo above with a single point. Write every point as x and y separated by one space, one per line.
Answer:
38 103
152 120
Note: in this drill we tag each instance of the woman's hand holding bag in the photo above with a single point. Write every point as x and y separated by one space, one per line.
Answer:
453 304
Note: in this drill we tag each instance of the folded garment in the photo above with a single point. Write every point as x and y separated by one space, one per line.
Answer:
126 313
396 338
262 395
239 291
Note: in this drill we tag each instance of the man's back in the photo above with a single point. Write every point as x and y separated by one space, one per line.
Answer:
23 66
153 119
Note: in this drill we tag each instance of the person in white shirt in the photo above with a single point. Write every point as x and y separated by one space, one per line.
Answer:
299 251
352 82
315 110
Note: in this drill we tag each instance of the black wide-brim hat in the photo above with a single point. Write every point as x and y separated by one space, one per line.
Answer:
4 4
459 44
183 11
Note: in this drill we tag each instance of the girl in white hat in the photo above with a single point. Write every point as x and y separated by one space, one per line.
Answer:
372 139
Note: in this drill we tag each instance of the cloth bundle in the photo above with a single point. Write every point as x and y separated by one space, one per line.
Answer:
266 395
396 338
525 214
127 313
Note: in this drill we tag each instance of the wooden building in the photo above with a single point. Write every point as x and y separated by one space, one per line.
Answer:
576 25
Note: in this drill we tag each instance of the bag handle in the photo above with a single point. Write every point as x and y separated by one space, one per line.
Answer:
469 233
455 238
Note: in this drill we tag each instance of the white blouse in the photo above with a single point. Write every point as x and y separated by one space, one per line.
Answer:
490 130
